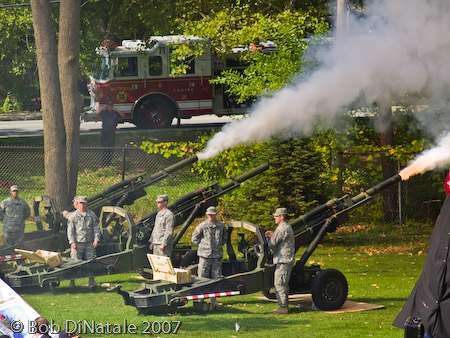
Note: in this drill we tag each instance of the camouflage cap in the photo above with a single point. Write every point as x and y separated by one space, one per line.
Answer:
161 198
81 199
280 211
211 211
14 188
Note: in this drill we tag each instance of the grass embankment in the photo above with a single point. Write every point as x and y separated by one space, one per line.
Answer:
381 265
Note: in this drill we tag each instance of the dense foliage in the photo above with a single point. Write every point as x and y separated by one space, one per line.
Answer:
238 26
293 180
18 83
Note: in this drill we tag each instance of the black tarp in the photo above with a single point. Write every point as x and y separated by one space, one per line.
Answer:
430 298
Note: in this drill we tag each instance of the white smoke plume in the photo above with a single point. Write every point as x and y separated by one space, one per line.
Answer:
436 157
401 46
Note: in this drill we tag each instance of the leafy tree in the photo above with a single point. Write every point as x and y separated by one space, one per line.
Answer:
18 82
294 179
240 26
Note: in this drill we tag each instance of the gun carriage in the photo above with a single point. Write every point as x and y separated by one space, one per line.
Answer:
120 194
124 244
254 272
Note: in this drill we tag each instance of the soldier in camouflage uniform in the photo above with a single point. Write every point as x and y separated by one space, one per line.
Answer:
161 238
14 211
83 233
210 236
283 244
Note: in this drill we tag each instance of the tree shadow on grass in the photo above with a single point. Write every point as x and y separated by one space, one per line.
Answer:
256 322
225 319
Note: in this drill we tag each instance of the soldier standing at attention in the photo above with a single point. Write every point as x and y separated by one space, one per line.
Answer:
14 211
161 238
283 244
210 236
83 233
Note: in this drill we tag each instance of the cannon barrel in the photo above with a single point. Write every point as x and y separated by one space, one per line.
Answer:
214 190
338 208
312 227
127 191
376 189
104 193
173 167
204 194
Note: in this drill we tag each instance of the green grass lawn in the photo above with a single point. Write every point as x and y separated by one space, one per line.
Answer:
381 264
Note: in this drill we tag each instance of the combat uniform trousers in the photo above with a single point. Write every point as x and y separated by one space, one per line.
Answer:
210 267
84 251
14 237
281 282
166 252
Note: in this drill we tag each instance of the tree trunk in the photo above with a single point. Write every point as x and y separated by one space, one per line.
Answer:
390 195
68 56
52 116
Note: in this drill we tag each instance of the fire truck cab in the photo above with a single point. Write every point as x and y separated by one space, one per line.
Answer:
135 77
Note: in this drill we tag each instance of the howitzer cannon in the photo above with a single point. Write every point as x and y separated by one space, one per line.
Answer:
120 194
122 247
129 190
187 207
255 272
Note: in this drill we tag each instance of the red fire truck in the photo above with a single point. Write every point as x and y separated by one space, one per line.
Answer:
136 78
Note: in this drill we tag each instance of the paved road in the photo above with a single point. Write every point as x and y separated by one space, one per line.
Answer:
34 127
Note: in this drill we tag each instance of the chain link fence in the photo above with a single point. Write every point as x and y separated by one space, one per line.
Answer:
24 166
419 198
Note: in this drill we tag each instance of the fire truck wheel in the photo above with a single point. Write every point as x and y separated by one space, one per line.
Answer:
189 258
329 290
154 113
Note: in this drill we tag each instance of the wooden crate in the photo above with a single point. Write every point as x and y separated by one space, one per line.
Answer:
163 270
52 259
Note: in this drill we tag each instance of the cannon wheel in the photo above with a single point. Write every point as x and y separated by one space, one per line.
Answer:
189 258
329 290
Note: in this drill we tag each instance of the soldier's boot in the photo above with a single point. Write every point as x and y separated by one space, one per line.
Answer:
282 310
72 284
92 283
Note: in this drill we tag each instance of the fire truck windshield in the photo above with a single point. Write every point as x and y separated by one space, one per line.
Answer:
104 73
100 69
